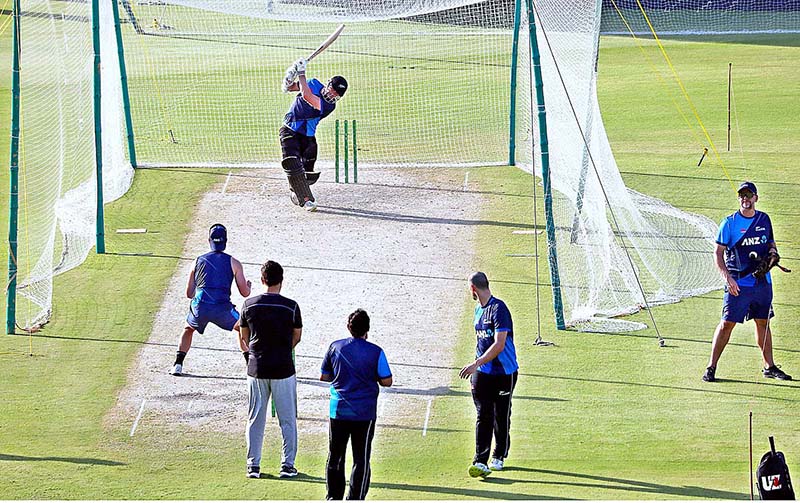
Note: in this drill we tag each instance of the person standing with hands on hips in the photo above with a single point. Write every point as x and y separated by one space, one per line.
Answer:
494 376
313 103
743 240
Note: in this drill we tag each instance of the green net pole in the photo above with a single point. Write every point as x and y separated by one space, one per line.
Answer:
558 306
13 196
123 75
98 135
512 120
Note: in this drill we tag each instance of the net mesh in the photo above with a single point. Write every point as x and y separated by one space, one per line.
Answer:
429 86
611 243
702 17
57 163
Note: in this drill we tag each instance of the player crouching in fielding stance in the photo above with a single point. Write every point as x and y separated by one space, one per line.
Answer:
298 144
209 287
494 376
745 238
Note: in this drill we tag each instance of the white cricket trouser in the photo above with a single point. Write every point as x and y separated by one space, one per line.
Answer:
284 396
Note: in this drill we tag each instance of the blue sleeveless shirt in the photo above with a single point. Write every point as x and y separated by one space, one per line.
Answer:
213 276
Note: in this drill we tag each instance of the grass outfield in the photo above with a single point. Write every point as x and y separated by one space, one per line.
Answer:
597 417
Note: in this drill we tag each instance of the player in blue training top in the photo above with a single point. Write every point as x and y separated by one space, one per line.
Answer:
494 376
744 238
355 368
298 144
209 287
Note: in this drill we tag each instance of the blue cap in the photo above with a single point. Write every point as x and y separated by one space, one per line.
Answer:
748 186
217 237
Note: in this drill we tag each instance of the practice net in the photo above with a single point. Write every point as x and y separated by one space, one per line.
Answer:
430 86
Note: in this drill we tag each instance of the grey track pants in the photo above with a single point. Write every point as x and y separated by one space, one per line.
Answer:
284 396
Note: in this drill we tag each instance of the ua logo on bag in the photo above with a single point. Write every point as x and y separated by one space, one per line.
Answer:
771 482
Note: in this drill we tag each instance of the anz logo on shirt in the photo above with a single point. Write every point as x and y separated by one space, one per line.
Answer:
755 240
484 334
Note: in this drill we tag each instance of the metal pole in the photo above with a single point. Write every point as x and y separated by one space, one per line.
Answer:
336 146
550 227
512 115
13 199
729 106
355 154
98 136
346 168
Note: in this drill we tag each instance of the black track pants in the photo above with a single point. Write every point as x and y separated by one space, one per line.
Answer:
492 397
360 434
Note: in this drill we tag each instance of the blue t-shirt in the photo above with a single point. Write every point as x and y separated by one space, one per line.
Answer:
302 118
356 365
742 236
489 319
213 276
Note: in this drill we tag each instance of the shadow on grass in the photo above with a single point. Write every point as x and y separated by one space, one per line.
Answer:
79 461
635 486
334 269
397 217
237 173
706 389
462 492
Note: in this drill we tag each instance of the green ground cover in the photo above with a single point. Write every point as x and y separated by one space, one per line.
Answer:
598 416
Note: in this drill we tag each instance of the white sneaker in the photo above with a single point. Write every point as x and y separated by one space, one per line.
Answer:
310 206
177 370
496 464
479 470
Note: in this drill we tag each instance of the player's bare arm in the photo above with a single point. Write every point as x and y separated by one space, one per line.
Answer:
308 96
244 285
326 377
244 338
191 286
297 334
719 260
385 382
495 349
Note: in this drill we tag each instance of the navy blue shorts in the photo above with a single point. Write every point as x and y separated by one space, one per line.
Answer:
752 303
200 314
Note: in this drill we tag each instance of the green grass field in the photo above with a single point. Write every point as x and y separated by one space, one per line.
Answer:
598 416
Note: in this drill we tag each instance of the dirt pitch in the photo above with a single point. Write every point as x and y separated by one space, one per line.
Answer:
398 244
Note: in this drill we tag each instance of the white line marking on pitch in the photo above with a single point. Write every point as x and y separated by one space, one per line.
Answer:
427 416
466 180
138 417
225 187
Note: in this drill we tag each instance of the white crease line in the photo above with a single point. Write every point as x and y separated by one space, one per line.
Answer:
138 417
427 417
466 180
225 187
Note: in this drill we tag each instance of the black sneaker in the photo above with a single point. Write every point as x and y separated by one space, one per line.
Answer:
288 472
253 472
774 372
710 376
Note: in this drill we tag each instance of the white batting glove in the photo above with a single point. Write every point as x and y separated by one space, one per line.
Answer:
300 66
287 83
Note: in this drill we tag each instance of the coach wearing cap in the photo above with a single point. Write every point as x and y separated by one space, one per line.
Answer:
743 240
209 287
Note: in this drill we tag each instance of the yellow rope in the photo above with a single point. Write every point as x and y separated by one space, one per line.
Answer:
7 22
685 93
658 75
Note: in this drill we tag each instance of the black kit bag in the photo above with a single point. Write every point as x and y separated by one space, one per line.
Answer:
772 476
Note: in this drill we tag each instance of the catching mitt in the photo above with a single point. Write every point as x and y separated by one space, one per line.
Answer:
766 263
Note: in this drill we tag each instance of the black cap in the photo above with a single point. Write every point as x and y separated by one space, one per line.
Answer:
748 186
217 237
339 84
